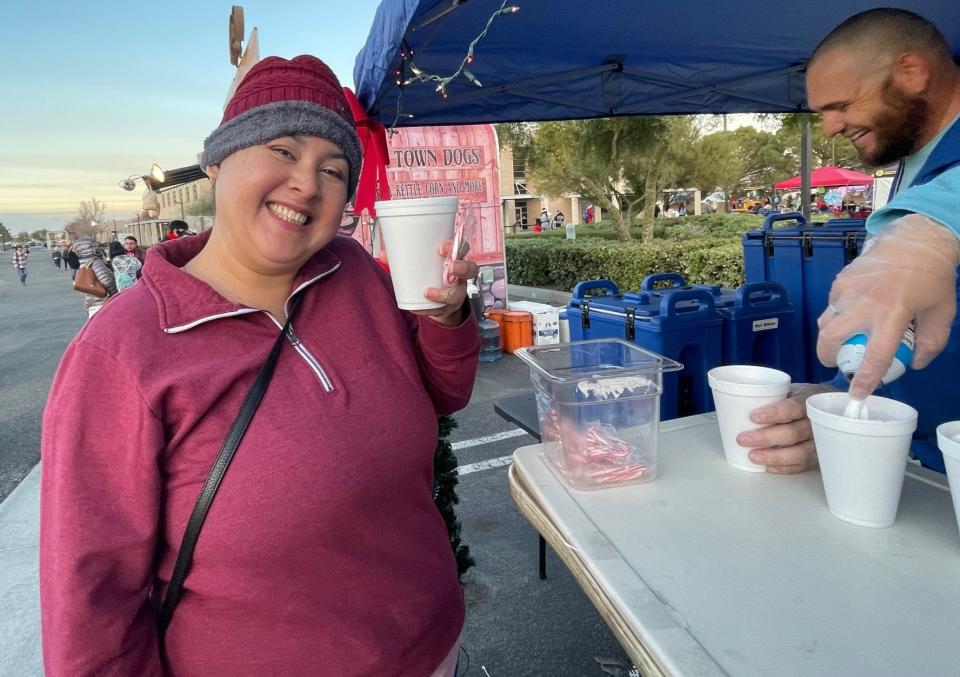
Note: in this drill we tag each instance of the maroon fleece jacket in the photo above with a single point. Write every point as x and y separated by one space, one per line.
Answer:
323 553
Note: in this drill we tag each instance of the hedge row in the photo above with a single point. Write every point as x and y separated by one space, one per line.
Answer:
560 264
706 225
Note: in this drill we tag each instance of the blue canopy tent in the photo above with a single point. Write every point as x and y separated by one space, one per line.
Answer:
567 59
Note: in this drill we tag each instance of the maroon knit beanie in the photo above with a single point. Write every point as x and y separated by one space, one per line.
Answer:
280 97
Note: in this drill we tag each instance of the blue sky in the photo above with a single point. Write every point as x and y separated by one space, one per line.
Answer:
95 91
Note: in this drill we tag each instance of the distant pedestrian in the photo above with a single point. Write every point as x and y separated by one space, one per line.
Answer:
545 218
558 219
682 209
88 255
126 268
132 248
20 256
57 258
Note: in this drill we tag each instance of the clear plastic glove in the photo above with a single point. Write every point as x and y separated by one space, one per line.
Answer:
908 271
785 446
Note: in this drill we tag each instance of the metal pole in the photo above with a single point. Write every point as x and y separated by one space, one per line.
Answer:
806 151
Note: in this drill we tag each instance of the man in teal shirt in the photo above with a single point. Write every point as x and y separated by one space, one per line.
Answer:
886 80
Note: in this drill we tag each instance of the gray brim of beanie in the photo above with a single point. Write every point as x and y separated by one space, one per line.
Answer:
284 118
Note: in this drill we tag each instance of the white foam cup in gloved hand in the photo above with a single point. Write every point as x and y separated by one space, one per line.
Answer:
948 439
737 391
862 461
413 231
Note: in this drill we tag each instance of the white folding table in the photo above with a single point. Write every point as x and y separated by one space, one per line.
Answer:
709 570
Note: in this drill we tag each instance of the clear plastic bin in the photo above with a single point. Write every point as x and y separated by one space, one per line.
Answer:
599 407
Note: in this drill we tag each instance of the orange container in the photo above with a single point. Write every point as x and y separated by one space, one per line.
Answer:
516 330
496 314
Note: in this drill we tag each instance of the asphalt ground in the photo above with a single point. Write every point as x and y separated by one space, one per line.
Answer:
516 625
36 324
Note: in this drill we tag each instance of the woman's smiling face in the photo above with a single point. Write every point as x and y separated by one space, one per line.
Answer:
280 202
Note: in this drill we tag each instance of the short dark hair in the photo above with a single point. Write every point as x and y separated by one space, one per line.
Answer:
131 237
177 224
116 249
887 31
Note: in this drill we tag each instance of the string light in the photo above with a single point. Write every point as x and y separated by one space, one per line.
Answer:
471 78
419 75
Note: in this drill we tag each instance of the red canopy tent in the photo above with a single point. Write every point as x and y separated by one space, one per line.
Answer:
828 177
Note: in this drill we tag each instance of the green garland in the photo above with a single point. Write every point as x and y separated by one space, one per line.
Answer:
445 481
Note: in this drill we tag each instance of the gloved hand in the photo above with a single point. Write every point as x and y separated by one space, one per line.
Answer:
907 272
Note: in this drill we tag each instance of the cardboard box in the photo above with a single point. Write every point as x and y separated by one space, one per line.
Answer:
546 321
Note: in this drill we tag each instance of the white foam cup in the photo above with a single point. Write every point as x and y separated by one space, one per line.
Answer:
862 461
948 439
738 389
413 231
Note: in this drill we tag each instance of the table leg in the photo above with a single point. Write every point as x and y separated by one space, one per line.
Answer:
543 557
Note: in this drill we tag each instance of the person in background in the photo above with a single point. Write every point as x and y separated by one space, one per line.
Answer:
323 552
57 258
88 256
70 260
19 260
545 219
558 219
885 79
174 230
126 268
132 248
682 209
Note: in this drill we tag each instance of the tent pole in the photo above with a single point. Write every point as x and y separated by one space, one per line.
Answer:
806 151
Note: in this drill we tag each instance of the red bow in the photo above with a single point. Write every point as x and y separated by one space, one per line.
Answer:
373 184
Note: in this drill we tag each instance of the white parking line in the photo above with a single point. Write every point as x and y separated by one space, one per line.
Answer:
484 465
487 439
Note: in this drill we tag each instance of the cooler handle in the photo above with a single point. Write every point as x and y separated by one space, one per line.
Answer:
581 288
789 216
668 304
761 295
675 280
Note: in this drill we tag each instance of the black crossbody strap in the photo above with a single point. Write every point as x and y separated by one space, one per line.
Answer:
190 535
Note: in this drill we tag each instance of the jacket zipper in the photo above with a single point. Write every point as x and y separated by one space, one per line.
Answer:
309 359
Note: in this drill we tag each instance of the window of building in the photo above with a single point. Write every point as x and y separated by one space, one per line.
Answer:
519 174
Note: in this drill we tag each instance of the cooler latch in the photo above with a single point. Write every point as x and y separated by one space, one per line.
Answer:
768 244
806 242
631 331
585 314
851 246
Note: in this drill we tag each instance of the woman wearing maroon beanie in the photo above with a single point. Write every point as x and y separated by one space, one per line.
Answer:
322 552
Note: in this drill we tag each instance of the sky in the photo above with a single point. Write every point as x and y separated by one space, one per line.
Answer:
95 91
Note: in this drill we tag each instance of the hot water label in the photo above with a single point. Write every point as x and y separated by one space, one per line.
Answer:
769 323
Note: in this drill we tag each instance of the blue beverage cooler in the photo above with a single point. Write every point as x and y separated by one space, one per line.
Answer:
757 321
681 325
804 258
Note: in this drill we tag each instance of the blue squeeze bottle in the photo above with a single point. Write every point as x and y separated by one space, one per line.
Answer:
851 354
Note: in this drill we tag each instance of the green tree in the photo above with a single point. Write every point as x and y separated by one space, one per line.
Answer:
719 163
22 237
766 158
602 160
5 235
39 235
204 206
